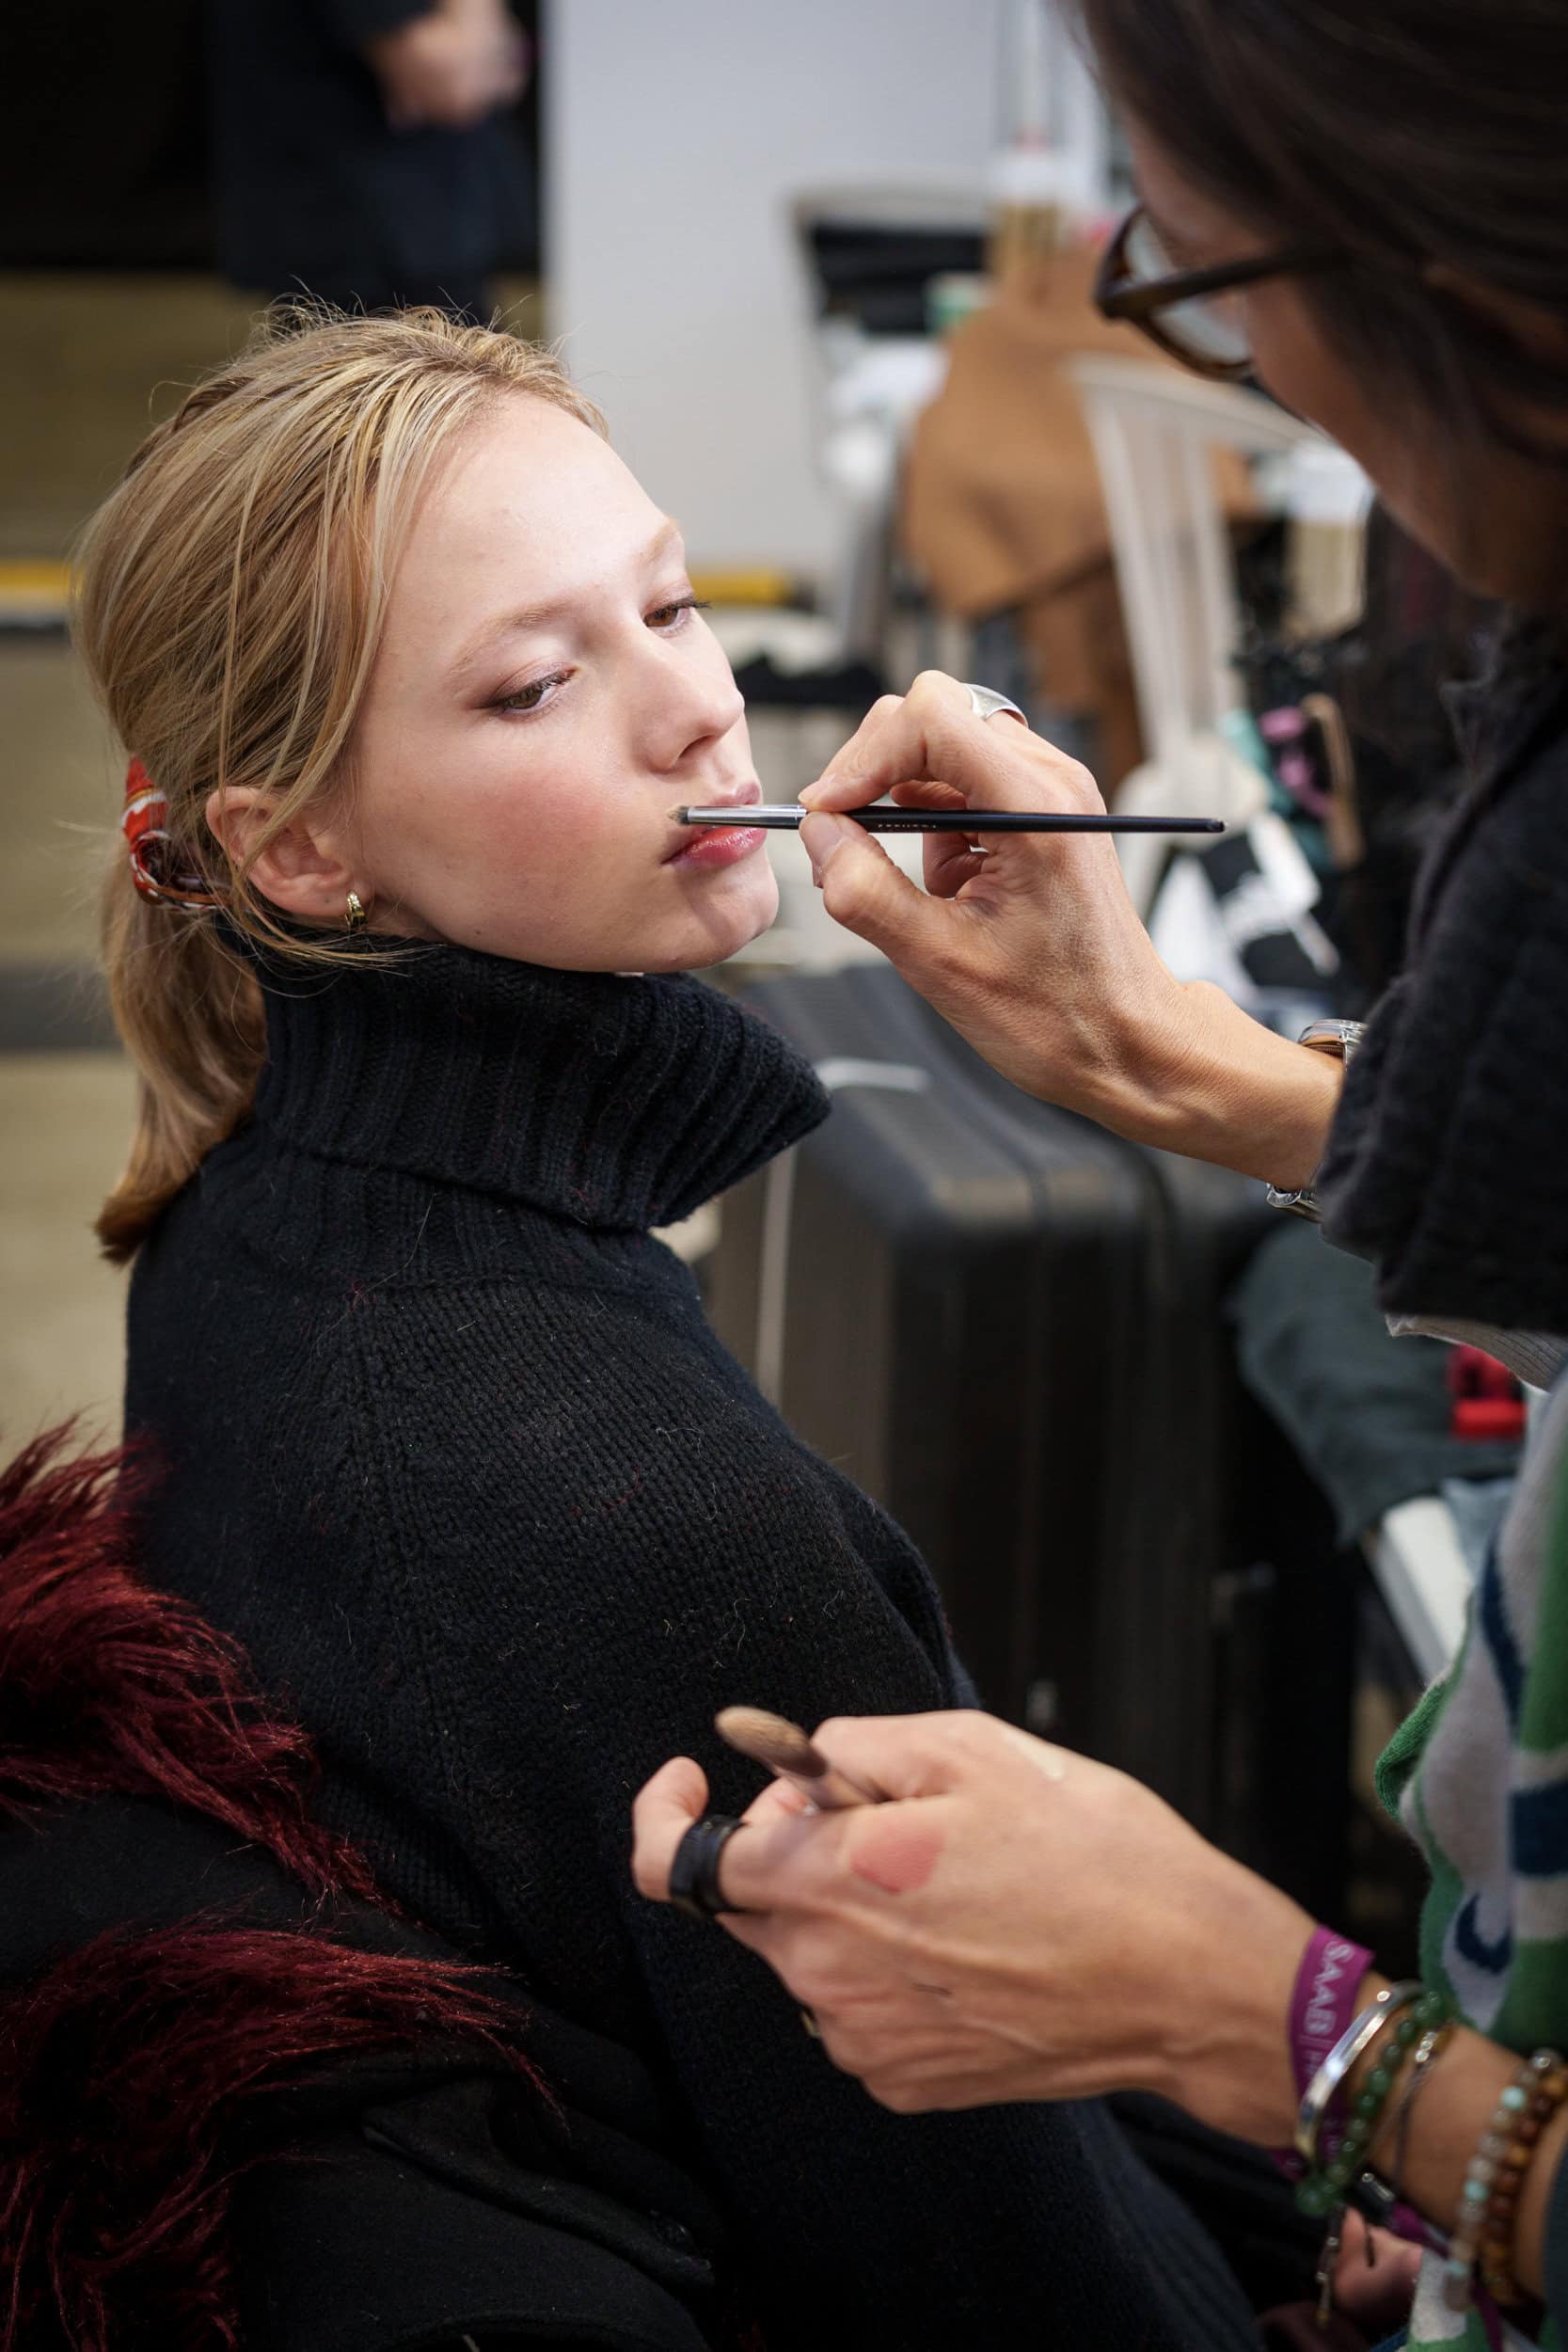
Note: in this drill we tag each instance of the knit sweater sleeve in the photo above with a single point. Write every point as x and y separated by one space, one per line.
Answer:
614 1544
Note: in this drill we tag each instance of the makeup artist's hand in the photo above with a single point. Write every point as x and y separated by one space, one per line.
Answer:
1021 1923
1035 953
1034 950
452 64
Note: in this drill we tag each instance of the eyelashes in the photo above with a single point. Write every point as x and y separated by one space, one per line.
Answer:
664 618
528 698
682 604
531 697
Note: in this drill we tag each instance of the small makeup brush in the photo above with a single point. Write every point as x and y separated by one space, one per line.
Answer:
783 1749
881 816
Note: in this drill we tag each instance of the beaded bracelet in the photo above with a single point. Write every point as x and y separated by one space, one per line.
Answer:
1488 2203
1502 2215
1367 2109
1431 2045
1399 2016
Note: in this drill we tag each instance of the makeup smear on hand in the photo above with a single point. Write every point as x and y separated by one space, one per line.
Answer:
899 1853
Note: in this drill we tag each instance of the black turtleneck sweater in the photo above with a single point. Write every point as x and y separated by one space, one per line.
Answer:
451 1451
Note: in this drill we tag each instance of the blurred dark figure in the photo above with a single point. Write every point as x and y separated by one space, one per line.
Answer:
363 150
1377 765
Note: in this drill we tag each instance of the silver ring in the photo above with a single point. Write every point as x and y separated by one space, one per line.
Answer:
985 702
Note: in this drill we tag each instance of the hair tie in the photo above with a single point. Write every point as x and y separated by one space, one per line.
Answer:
144 825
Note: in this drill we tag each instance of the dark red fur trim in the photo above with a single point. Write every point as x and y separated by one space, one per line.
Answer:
107 1687
127 2066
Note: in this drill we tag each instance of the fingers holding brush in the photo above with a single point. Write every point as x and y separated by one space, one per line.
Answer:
1029 947
934 735
949 859
675 1801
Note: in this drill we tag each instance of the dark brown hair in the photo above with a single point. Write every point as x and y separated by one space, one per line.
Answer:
1405 131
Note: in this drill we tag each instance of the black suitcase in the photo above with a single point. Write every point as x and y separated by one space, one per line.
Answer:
1007 1325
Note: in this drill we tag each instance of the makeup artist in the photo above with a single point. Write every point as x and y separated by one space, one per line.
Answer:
1368 211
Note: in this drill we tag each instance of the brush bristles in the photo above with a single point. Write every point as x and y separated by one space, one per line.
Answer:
770 1740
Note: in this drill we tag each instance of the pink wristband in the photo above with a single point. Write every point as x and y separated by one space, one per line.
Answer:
1323 2001
1322 2007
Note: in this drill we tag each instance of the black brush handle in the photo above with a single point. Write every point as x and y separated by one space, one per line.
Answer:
880 818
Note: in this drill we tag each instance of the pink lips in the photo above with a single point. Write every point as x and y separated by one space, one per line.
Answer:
707 849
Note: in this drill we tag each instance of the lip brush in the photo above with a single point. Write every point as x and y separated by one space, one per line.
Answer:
881 816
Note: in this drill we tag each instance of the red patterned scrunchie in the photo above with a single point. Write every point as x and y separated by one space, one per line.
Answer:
153 869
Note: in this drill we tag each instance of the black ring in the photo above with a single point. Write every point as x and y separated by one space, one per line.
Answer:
694 1872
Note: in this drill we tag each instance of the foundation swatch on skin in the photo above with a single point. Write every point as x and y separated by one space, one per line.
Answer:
895 1852
899 1848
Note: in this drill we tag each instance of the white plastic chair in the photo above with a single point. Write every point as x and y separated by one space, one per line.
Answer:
1155 434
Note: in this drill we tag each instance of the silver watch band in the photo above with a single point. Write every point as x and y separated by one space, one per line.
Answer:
1340 1038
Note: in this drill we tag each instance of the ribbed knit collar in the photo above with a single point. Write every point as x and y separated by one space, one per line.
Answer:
617 1103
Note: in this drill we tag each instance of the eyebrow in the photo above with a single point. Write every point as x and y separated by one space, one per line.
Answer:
529 616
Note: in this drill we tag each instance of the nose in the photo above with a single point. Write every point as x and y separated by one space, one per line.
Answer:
688 701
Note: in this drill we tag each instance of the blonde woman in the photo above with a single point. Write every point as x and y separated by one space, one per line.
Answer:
413 675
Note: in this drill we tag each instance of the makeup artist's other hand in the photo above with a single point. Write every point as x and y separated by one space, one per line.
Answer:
1374 2277
1020 1923
450 66
1035 953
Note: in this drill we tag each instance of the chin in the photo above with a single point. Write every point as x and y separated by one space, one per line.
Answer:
732 911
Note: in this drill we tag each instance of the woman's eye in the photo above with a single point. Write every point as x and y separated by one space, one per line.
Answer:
531 697
668 616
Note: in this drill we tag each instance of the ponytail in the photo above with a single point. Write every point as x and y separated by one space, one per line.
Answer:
190 1015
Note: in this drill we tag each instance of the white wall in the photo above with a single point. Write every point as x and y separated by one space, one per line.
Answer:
678 130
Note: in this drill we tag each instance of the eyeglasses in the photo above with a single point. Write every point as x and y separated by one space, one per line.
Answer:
1182 309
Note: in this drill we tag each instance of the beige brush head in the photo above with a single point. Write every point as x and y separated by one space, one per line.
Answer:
770 1740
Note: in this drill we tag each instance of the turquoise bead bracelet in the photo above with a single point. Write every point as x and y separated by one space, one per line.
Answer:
1483 2229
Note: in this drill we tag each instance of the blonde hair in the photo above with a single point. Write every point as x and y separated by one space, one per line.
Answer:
230 597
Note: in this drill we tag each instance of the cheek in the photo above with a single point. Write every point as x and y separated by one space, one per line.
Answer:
1297 366
498 818
537 842
535 814
1303 371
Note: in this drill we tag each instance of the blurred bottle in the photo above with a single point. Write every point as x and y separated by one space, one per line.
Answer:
1043 174
1327 496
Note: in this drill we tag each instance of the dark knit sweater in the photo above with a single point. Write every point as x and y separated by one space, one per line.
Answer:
451 1450
1446 1162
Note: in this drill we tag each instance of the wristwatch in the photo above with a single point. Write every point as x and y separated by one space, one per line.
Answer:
1340 1038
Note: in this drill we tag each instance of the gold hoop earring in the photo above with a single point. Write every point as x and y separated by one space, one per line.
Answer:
355 917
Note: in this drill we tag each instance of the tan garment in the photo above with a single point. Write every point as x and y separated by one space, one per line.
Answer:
1002 508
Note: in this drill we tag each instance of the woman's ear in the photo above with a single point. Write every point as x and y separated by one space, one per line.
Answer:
303 870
